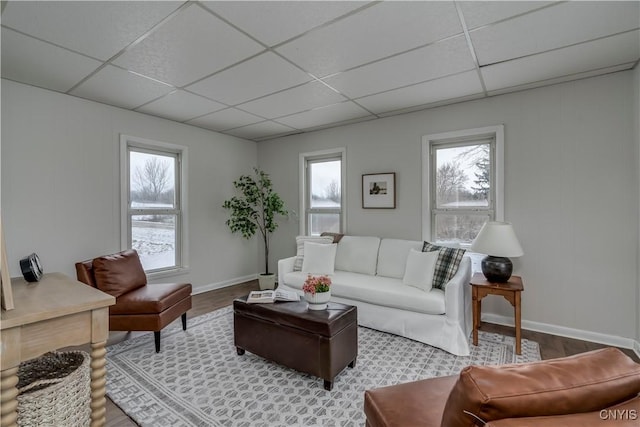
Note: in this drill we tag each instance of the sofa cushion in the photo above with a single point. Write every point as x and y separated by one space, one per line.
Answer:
119 273
378 290
582 383
392 256
297 266
419 270
358 254
447 264
319 258
151 299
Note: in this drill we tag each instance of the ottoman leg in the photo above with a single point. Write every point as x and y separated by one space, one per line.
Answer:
240 351
156 338
328 385
352 364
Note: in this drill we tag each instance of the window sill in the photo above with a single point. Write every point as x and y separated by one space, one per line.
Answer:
168 273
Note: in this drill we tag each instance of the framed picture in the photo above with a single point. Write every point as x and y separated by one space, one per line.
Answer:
379 191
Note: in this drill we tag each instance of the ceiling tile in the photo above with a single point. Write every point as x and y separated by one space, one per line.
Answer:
374 33
264 74
273 22
301 98
225 119
191 45
553 27
478 13
562 79
324 115
600 53
31 61
392 57
436 60
114 86
425 93
260 130
181 106
96 28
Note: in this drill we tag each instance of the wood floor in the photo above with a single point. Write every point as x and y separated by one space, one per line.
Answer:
551 346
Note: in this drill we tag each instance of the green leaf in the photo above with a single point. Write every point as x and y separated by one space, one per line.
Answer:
256 208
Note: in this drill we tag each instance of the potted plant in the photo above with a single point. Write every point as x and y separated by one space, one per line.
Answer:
256 209
317 291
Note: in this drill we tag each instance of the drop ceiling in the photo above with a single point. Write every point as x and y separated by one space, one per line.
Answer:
259 70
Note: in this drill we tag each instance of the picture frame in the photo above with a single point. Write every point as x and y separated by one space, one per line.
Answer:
379 190
6 293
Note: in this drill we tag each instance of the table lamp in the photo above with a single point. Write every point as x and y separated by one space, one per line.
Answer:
498 241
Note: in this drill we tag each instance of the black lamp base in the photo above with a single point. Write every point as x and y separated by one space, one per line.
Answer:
497 269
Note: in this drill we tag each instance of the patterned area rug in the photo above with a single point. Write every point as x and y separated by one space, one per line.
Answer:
199 380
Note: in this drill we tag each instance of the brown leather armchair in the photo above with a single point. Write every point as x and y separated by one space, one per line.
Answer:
138 307
596 388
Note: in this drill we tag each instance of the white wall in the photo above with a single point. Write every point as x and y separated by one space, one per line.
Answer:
571 191
636 117
61 183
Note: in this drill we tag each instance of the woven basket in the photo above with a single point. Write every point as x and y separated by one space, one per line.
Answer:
55 390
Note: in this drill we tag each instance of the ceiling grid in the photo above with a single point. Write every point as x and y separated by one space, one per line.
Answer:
260 70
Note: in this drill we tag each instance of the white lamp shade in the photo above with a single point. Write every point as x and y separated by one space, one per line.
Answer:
497 239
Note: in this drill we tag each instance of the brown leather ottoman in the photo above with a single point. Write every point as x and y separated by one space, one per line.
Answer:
320 343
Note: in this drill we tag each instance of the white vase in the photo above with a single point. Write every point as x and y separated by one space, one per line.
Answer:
267 281
317 301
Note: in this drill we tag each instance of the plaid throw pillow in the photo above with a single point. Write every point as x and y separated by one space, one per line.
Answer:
446 265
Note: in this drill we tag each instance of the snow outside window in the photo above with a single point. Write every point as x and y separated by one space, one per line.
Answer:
154 206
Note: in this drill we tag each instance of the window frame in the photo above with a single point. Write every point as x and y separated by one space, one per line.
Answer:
305 181
180 154
453 139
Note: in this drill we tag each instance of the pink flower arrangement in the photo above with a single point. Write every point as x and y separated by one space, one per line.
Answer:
316 284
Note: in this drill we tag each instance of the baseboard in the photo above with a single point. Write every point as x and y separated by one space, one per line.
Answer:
224 284
563 331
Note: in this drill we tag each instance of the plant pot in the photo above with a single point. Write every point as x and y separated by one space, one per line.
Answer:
267 281
317 301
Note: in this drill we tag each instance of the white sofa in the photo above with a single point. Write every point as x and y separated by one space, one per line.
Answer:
368 274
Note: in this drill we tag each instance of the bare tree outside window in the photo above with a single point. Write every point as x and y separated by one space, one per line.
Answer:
332 192
151 179
462 186
450 181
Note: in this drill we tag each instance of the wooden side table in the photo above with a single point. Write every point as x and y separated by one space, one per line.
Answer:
53 313
510 290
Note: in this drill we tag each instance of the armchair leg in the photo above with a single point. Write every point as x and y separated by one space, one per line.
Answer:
184 321
156 336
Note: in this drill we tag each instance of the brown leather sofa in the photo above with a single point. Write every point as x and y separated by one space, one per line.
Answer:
138 307
596 388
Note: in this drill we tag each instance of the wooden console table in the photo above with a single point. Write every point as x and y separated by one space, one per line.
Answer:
510 290
53 313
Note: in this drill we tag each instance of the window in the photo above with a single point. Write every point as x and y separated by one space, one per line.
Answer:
462 183
322 192
152 200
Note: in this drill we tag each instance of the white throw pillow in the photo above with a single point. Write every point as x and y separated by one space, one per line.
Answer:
419 269
297 266
319 258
